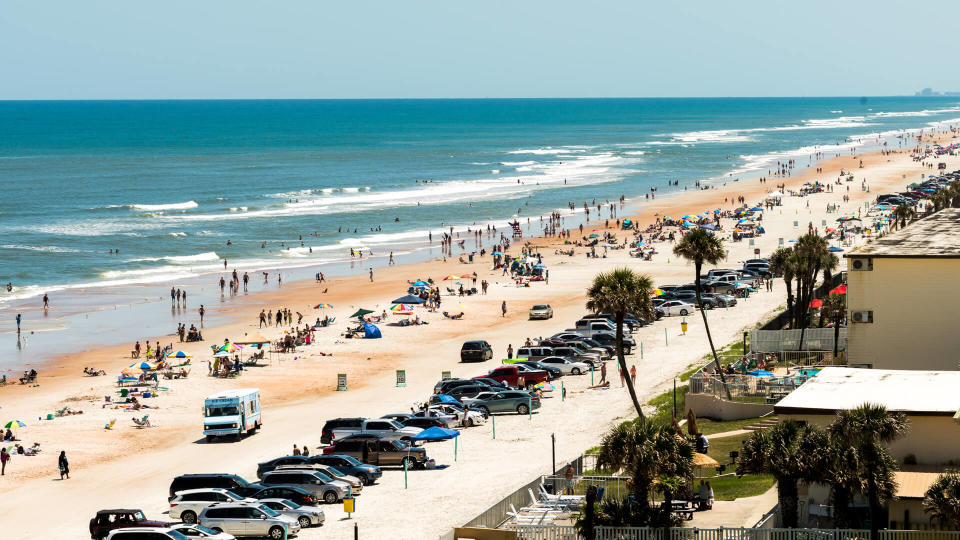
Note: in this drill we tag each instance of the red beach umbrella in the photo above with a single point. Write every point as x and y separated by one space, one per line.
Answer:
842 289
816 303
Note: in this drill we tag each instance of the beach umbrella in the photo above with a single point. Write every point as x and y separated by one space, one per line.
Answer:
141 365
181 354
408 299
451 276
545 386
371 332
321 305
229 347
421 283
361 312
658 292
667 218
436 433
816 303
594 235
14 424
842 289
222 354
718 211
834 249
497 253
253 339
543 266
401 309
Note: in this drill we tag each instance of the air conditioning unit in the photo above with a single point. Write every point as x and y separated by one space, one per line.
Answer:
861 316
861 264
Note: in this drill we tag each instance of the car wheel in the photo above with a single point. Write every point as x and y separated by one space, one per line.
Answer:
523 409
405 463
330 497
365 480
276 533
209 438
470 422
575 371
189 517
304 522
683 313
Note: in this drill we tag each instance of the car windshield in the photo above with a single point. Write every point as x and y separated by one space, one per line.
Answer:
396 424
268 511
351 460
177 535
334 471
541 306
471 346
233 495
139 516
324 477
290 504
228 410
204 530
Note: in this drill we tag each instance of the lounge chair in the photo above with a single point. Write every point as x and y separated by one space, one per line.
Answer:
145 422
61 412
555 504
113 422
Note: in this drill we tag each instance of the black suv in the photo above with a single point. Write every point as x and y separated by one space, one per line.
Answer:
476 351
230 482
326 435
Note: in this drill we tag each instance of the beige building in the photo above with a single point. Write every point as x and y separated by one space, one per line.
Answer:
930 399
903 298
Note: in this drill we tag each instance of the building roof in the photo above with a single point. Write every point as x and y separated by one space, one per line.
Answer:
914 485
931 393
937 235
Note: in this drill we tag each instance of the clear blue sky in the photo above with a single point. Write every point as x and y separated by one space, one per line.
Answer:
90 49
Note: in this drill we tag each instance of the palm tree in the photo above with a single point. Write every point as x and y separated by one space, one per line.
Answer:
902 214
841 471
812 255
942 501
782 265
941 199
700 246
834 310
869 428
789 451
646 452
618 292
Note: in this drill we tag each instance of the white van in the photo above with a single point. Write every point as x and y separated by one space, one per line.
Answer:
233 412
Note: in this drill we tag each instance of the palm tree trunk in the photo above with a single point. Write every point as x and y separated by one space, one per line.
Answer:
623 364
589 512
787 497
706 326
789 297
841 507
836 335
875 509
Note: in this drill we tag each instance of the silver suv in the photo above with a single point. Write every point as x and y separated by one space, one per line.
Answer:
244 519
306 515
318 484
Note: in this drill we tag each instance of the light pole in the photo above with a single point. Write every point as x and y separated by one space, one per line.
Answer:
553 452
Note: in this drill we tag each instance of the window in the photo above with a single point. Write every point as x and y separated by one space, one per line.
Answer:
227 410
385 446
217 512
348 446
378 425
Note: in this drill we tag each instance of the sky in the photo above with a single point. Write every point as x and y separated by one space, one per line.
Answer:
238 49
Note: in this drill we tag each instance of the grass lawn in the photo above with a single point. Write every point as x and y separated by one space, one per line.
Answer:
727 488
709 427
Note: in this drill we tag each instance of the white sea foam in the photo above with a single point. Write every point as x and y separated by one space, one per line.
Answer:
182 259
516 163
494 171
178 234
47 249
908 114
155 207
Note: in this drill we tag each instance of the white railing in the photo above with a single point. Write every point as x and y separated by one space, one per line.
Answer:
569 532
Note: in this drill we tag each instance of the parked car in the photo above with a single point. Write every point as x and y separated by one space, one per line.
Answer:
326 434
390 429
187 504
720 300
494 385
508 401
467 390
476 351
356 486
424 422
541 311
445 385
229 482
566 365
553 372
516 377
143 533
455 412
245 520
320 485
368 474
308 516
108 520
295 494
379 451
192 530
677 307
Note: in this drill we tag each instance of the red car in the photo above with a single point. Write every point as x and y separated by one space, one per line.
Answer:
517 376
108 520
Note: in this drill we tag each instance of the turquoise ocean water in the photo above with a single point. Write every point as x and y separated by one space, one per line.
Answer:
169 183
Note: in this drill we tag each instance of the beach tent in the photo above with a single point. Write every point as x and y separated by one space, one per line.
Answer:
774 195
408 299
361 312
435 433
252 339
444 398
370 331
709 227
181 354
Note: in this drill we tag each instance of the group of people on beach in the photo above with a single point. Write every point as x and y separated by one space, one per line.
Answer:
283 316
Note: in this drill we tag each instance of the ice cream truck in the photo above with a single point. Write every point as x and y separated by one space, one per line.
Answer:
232 412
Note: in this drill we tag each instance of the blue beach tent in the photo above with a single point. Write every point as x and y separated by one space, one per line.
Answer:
371 332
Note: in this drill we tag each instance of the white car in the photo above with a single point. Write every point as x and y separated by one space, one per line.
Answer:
187 504
474 417
567 366
355 484
199 531
677 307
308 516
541 311
136 533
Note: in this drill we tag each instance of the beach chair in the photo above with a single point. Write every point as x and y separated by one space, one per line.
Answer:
61 412
113 422
145 422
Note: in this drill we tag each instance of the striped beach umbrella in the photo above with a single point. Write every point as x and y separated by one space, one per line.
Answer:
14 424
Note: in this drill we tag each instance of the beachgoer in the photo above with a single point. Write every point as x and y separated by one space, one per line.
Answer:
46 301
19 318
568 476
64 465
296 451
633 375
371 275
306 451
202 311
603 372
623 376
503 308
509 352
4 458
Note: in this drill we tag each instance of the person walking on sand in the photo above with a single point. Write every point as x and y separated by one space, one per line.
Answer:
202 311
64 465
46 301
371 275
503 308
622 377
19 318
633 375
509 352
4 458
603 373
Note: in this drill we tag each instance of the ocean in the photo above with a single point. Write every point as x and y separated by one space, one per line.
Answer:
178 186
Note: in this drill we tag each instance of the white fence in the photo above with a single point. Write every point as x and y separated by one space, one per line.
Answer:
569 532
814 339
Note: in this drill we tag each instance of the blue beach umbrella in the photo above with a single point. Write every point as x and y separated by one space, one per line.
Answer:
835 249
444 398
141 365
496 253
756 209
435 433
760 373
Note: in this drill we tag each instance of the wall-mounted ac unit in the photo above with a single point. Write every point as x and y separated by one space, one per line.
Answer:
861 316
861 264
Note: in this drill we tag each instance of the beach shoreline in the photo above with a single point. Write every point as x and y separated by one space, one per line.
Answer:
304 387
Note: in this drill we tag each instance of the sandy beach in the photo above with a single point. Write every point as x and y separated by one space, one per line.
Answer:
129 467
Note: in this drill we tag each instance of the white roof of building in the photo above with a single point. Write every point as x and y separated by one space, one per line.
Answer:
910 391
237 393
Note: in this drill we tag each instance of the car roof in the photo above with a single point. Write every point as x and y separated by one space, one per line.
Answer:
119 511
200 490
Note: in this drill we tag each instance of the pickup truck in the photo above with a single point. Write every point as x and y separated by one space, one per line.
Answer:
516 376
603 336
384 427
108 520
